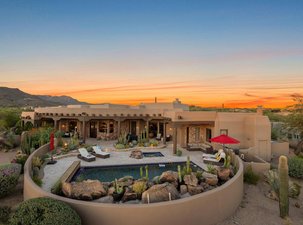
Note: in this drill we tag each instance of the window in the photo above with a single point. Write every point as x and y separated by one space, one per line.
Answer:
224 131
208 134
103 127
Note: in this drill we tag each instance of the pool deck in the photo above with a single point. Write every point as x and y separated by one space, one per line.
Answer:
53 172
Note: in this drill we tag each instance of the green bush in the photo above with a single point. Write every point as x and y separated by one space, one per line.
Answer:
4 214
179 152
57 188
37 181
250 177
44 211
9 175
295 167
120 146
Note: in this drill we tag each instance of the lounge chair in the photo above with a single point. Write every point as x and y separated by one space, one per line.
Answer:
99 153
204 155
219 160
84 155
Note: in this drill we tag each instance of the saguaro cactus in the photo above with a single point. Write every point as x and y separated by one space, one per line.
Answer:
283 192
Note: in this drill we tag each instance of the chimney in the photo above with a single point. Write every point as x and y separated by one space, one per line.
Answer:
155 99
260 110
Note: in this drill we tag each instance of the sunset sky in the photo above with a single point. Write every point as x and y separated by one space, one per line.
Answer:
207 53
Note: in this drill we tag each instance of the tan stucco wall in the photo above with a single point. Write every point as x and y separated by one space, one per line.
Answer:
279 148
206 208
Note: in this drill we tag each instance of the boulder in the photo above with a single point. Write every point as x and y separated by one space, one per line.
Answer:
191 180
85 190
186 195
224 173
111 190
160 193
183 189
129 196
194 190
136 154
126 181
169 176
156 180
210 179
106 199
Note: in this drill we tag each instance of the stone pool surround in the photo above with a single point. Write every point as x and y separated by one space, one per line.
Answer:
206 208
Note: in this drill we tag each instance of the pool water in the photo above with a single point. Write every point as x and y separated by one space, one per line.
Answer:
152 154
110 173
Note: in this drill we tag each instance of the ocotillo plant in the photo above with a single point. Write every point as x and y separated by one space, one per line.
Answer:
283 191
188 165
179 174
146 172
141 172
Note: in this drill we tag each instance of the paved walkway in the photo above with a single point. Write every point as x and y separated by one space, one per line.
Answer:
54 172
7 157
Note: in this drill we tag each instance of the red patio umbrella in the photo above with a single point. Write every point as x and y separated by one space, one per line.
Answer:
52 142
224 139
51 148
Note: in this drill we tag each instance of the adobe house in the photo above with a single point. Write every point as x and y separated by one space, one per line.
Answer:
186 128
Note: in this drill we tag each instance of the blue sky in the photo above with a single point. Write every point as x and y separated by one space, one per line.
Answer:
114 48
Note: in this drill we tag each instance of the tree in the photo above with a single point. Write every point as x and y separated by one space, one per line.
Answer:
295 120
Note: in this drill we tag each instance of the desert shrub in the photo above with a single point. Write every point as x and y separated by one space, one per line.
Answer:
153 142
44 211
20 159
9 175
120 146
211 169
139 187
296 167
4 214
57 188
250 177
272 178
134 142
73 144
179 152
37 181
37 162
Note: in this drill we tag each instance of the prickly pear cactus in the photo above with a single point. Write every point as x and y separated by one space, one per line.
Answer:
283 192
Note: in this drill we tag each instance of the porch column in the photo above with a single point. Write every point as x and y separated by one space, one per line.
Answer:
175 139
147 129
119 128
107 123
158 127
84 130
164 133
56 124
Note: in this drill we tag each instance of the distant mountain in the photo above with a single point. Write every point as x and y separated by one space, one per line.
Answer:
13 97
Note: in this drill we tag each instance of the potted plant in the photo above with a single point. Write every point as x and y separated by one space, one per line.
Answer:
119 191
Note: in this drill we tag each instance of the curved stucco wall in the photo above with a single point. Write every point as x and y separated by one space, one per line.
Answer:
206 208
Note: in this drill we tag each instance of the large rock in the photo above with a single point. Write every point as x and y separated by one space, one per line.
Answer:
129 196
194 190
210 179
183 189
85 190
160 193
169 176
126 181
136 154
224 173
191 180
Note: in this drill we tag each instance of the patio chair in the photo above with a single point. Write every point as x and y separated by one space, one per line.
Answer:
219 160
84 155
158 137
99 153
204 155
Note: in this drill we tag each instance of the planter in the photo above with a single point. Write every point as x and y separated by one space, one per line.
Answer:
117 197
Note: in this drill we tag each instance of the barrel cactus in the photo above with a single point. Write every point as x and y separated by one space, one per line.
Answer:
9 175
283 192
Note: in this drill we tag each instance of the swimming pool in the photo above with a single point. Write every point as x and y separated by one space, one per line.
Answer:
110 173
152 154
